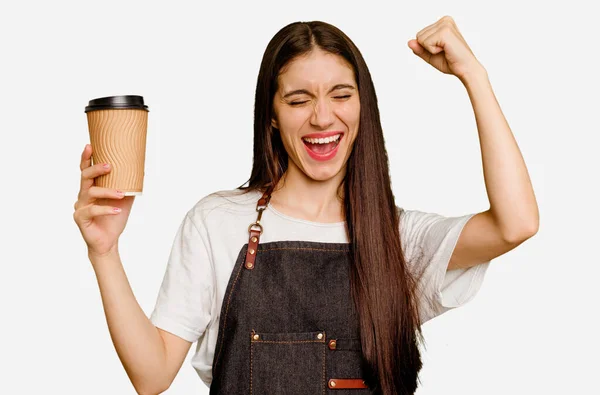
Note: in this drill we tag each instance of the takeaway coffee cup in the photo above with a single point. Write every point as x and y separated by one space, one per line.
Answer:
118 127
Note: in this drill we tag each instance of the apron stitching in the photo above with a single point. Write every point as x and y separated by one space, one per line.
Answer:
323 383
251 362
302 248
287 341
227 308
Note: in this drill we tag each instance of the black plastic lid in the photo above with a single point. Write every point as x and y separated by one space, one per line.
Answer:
116 102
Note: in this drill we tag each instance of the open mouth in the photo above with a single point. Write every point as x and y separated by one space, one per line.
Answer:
322 146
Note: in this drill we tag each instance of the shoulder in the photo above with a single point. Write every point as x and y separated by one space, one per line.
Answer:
425 232
222 204
418 222
410 218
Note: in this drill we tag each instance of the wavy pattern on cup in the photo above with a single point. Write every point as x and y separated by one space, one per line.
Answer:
118 137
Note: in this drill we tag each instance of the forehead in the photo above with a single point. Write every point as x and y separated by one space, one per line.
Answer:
316 69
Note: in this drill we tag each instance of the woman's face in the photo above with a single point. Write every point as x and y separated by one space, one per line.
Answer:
317 111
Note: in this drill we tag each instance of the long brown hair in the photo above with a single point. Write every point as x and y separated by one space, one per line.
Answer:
383 289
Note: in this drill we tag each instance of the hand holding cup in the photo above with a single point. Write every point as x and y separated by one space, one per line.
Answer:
100 213
114 174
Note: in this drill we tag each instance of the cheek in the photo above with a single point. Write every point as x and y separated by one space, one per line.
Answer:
350 114
291 121
289 134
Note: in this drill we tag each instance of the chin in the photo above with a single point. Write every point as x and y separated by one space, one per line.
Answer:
323 174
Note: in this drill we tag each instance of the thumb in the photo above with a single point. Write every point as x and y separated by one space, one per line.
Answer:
419 50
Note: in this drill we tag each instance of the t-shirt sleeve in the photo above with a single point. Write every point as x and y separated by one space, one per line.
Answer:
184 302
428 241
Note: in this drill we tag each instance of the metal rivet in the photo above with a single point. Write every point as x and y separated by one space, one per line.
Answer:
249 265
255 337
332 344
320 336
254 239
251 251
332 383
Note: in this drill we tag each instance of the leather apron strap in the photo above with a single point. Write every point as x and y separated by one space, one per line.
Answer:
254 237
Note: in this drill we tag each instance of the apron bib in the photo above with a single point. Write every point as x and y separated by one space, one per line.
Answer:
288 324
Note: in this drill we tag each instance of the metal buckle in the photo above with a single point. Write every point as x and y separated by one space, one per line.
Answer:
255 224
260 210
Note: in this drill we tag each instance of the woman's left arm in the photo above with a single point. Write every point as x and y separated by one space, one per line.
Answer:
513 215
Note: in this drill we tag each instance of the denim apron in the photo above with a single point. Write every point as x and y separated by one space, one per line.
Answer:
288 324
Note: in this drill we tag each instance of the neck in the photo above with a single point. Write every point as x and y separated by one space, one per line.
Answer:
300 196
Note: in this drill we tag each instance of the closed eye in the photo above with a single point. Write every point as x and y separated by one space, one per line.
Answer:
302 102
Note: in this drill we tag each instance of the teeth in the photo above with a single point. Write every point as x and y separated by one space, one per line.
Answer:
323 140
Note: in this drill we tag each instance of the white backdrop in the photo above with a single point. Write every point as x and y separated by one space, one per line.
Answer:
532 329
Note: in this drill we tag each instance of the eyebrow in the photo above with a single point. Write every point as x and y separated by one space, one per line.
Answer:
305 92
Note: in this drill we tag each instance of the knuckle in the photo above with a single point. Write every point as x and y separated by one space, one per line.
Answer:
91 211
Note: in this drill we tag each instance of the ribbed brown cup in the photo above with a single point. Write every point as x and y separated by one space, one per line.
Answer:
118 137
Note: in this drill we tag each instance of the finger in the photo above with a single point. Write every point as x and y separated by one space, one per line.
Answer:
420 51
87 213
431 27
415 46
90 195
86 157
431 41
88 174
96 192
426 31
425 51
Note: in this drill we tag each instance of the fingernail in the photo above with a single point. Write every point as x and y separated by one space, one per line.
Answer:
116 209
106 165
120 193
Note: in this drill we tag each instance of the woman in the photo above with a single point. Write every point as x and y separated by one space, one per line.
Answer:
311 278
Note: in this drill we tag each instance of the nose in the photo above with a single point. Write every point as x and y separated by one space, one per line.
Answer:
322 116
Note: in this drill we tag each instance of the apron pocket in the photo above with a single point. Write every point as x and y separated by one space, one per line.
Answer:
345 366
287 363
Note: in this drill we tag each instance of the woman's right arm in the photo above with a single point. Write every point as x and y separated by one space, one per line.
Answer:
151 357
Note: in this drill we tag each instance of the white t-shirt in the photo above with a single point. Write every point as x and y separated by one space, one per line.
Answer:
212 233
